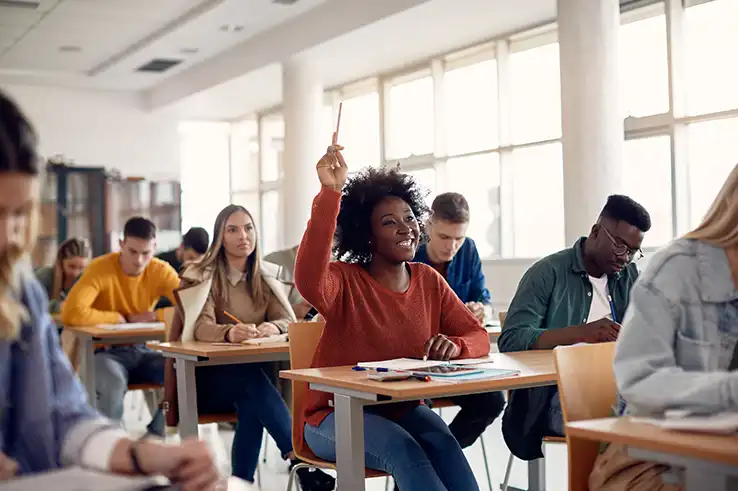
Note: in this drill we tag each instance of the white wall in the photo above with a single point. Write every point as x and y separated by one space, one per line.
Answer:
503 276
102 129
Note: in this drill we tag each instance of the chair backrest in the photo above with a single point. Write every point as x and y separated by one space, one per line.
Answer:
168 313
502 316
587 390
304 338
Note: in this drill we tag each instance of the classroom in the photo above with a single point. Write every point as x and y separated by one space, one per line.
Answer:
433 245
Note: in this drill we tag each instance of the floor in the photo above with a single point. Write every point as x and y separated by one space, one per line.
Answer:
274 473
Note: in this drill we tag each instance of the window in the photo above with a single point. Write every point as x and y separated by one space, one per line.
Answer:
471 118
713 153
647 179
359 131
244 156
270 211
538 200
427 180
536 94
478 179
410 120
205 159
250 201
272 146
644 76
712 76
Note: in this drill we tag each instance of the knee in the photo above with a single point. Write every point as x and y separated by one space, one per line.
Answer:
111 377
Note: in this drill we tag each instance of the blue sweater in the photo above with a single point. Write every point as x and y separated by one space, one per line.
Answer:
464 275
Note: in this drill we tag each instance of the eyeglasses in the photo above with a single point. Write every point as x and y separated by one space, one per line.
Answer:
620 249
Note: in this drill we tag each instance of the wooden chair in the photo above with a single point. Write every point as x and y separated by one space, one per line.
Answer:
587 391
546 439
304 337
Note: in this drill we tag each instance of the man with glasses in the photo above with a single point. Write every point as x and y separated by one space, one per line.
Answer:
578 295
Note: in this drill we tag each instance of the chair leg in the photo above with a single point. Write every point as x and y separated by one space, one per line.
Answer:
293 474
265 445
505 481
486 462
387 484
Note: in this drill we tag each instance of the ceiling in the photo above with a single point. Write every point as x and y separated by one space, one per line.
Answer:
100 43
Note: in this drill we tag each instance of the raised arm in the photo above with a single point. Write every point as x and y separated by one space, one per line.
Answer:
78 309
319 281
460 325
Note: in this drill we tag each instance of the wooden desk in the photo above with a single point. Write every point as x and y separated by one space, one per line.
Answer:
189 355
352 391
90 336
707 459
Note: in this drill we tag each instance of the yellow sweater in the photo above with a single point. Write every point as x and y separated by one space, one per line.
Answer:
104 293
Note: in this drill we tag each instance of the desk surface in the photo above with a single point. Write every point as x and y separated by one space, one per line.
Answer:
714 448
210 350
536 369
100 333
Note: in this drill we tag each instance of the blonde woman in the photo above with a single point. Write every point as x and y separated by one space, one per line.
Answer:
676 349
72 258
43 404
230 282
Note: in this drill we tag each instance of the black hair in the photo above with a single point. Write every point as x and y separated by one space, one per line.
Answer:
620 207
361 194
451 207
197 239
17 140
139 228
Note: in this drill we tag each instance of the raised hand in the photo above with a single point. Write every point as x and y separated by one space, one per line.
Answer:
332 168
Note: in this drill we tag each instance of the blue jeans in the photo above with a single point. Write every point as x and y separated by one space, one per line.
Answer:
418 450
555 420
118 366
247 389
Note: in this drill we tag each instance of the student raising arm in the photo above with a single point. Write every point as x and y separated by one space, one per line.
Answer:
378 305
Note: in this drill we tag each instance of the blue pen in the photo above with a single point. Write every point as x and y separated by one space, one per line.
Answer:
612 308
358 369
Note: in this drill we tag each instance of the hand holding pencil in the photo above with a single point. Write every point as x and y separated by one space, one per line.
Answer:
332 168
240 331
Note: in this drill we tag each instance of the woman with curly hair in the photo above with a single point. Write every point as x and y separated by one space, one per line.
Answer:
378 305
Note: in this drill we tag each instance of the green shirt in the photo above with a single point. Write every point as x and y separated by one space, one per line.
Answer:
556 292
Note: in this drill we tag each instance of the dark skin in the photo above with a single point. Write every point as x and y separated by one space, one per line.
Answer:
610 247
395 238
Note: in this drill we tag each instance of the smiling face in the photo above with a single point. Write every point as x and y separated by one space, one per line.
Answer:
239 235
395 230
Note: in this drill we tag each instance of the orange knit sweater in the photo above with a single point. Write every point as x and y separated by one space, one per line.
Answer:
364 320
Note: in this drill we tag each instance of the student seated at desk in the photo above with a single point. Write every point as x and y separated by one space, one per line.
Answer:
577 295
450 252
71 260
378 305
45 421
194 245
230 280
677 347
123 287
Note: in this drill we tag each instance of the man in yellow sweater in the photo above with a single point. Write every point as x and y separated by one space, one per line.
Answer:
123 287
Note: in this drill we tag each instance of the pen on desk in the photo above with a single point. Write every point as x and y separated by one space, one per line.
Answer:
612 308
225 344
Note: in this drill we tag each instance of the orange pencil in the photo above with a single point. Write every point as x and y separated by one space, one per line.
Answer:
338 123
232 317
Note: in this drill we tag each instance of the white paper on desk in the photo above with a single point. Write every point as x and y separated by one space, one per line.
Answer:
76 479
473 361
721 423
129 326
487 374
415 364
277 338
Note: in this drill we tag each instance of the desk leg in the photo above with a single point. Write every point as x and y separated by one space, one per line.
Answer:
87 368
349 443
186 398
537 475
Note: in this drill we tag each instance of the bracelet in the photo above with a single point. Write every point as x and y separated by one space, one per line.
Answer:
137 469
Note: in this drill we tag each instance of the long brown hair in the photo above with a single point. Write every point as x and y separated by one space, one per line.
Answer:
17 155
719 225
72 247
214 261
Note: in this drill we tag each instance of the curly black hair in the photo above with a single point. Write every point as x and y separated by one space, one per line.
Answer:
619 207
361 194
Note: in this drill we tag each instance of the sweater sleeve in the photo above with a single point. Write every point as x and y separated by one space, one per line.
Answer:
460 325
207 327
317 279
168 283
78 309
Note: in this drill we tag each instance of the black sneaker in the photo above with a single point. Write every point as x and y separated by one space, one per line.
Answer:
312 479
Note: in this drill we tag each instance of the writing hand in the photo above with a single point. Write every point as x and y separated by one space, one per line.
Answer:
241 332
439 347
267 329
142 317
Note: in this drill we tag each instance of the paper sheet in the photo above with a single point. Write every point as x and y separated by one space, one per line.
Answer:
131 325
277 338
414 364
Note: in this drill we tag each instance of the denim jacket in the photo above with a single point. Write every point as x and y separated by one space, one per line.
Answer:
45 421
679 334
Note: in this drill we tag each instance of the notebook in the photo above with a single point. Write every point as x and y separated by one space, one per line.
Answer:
277 338
128 326
416 364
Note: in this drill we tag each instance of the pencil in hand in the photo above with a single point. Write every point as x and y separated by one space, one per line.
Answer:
233 318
